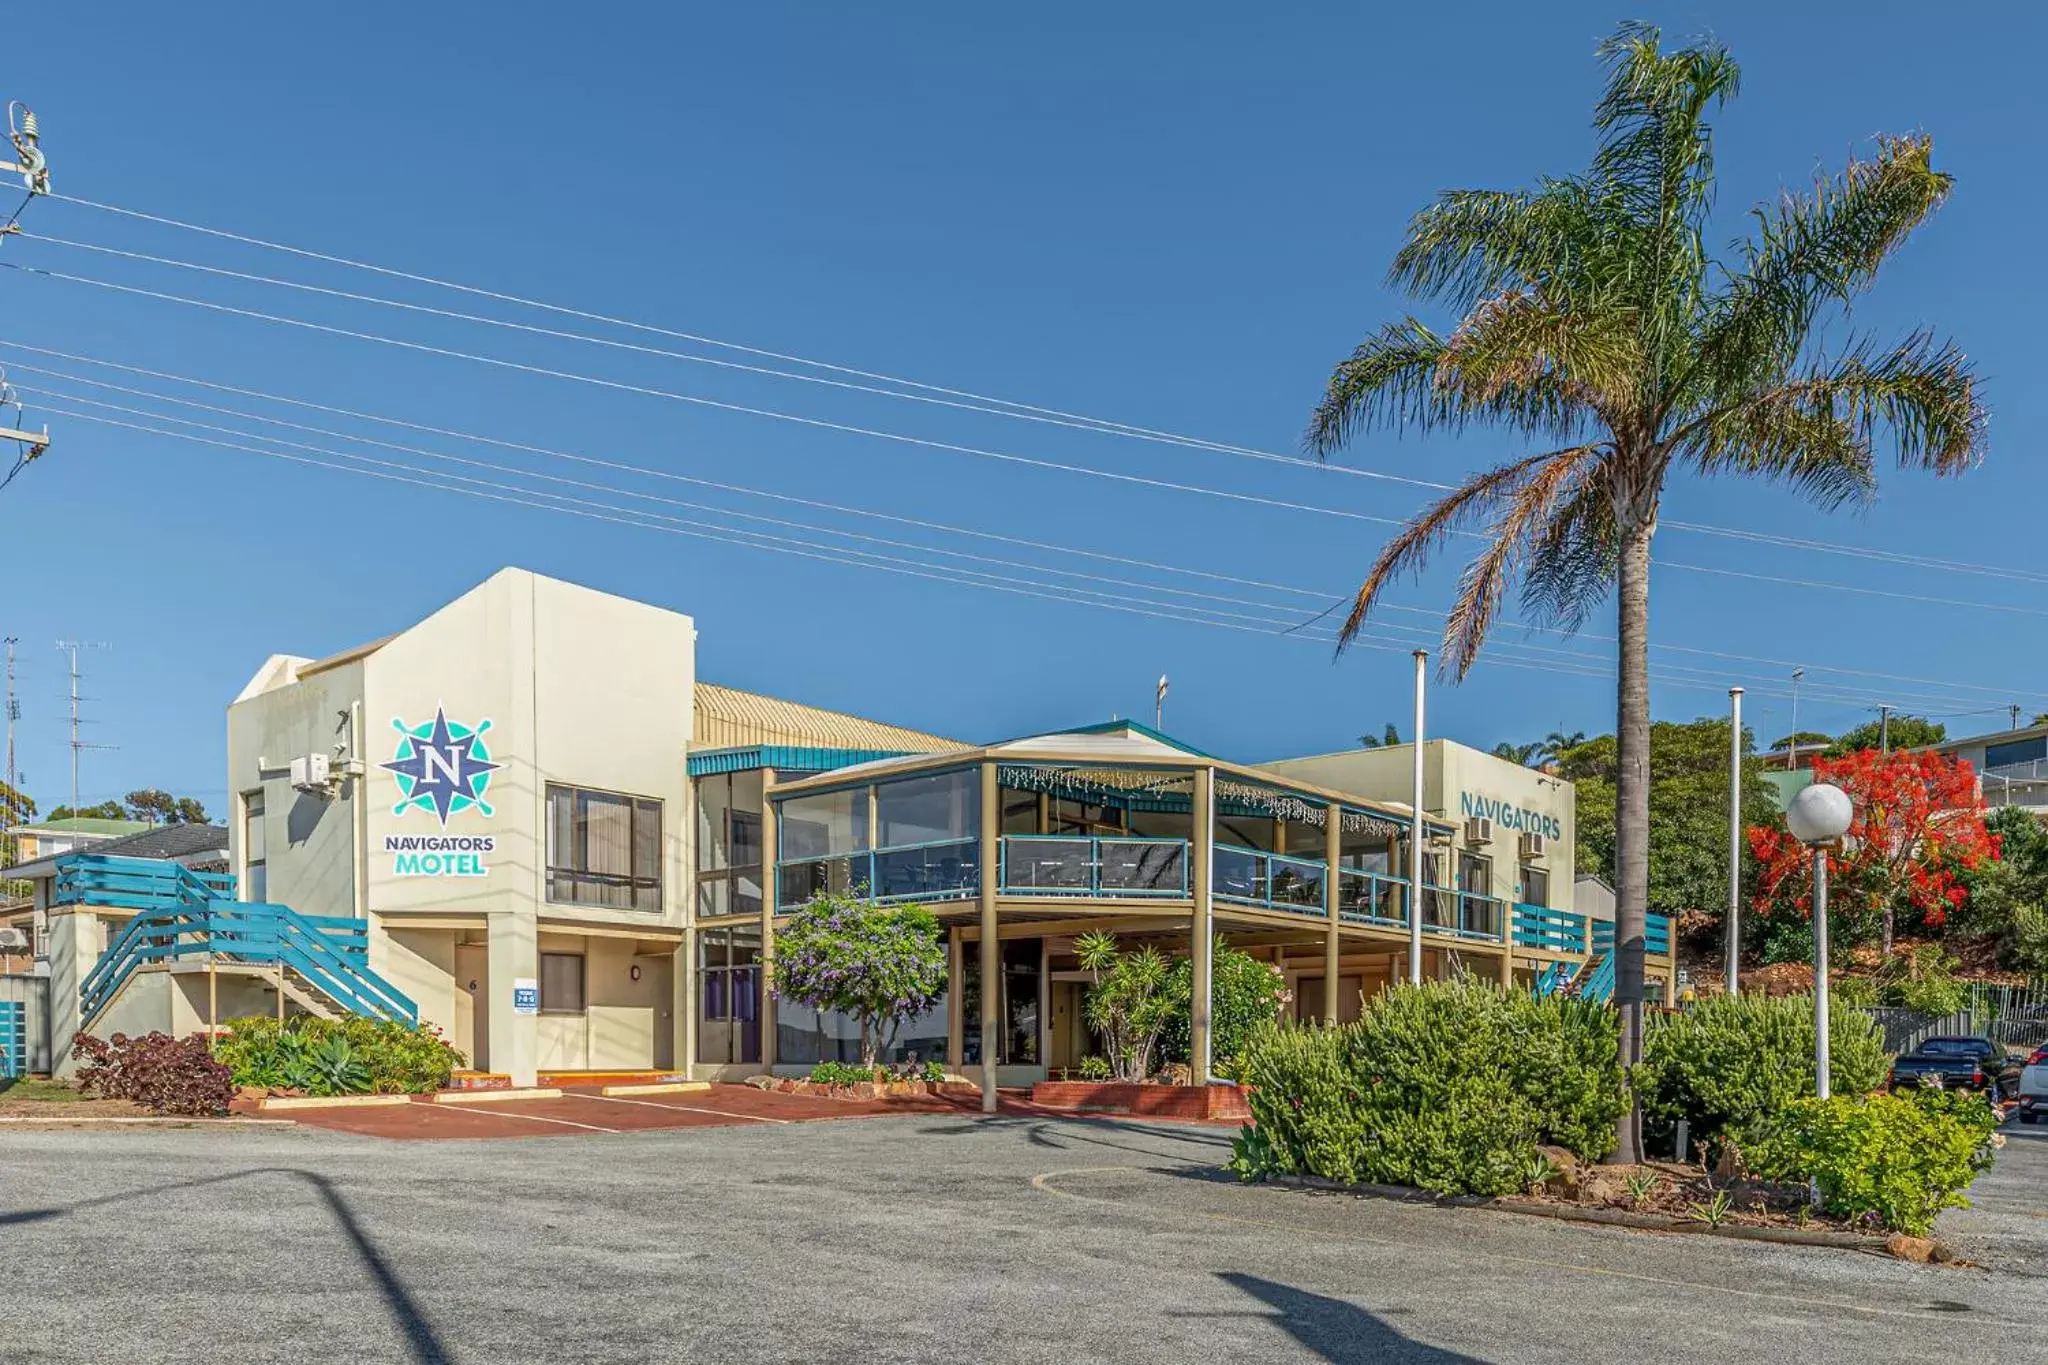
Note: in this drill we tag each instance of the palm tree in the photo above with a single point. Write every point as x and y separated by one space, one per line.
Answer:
1557 741
1593 320
1524 754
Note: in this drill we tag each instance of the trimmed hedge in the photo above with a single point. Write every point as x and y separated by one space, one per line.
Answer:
1448 1086
1731 1061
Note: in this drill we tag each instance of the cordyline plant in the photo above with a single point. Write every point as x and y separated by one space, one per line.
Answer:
1593 320
1918 826
1130 1001
877 964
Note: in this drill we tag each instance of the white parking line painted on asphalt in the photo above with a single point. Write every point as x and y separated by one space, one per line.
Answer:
687 1108
537 1118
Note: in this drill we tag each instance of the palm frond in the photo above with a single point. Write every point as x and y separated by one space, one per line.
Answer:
1819 430
1527 343
1410 551
1473 244
1389 381
1575 557
1810 250
1514 533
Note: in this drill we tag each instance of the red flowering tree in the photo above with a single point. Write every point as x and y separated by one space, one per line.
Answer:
1919 825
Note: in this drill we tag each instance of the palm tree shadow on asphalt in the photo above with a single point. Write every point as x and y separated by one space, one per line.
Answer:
423 1344
1334 1329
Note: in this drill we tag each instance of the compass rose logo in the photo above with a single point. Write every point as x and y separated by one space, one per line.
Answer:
443 767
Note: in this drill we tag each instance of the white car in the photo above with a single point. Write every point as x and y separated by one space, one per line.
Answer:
2033 1092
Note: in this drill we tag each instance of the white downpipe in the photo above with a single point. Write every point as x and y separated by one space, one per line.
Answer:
1417 834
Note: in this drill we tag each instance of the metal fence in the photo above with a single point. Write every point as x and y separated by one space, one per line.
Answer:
2011 1016
32 994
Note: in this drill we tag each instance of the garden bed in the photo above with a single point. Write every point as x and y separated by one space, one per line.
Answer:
1678 1199
51 1099
1193 1102
863 1090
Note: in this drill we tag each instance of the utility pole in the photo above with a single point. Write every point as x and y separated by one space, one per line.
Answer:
13 713
2015 709
1734 946
26 133
1884 729
1792 742
78 745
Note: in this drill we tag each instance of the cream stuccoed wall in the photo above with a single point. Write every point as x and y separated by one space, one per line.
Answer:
567 685
309 841
1458 781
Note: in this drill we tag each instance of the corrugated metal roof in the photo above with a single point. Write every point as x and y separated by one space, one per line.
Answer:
727 718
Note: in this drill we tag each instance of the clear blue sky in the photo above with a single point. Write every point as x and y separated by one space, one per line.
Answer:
1177 215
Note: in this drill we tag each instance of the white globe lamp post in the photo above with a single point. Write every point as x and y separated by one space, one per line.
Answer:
1818 816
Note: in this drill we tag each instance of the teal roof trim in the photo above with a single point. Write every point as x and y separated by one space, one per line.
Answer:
747 758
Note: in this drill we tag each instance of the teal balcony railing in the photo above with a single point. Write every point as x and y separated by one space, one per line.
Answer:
1656 935
1370 898
1270 880
942 869
1082 865
1550 931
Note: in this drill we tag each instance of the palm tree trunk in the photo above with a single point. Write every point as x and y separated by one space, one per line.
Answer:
1632 813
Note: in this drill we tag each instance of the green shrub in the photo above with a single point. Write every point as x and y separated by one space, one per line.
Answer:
1095 1068
842 1073
342 1056
1731 1061
1449 1087
1896 1159
1244 992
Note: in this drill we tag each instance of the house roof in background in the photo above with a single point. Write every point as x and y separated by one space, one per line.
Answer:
188 844
85 824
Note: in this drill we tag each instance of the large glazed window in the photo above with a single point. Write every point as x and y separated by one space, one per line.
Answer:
928 809
826 825
604 848
729 844
255 849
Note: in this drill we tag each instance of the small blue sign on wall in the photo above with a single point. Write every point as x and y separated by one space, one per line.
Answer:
526 996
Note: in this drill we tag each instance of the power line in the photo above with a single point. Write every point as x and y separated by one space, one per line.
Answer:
950 397
840 554
1670 671
912 440
1064 550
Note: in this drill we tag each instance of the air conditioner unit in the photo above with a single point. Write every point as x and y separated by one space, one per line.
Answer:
1478 830
1534 845
310 774
13 939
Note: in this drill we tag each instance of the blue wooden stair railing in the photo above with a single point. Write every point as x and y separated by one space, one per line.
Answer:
182 914
1596 983
1555 978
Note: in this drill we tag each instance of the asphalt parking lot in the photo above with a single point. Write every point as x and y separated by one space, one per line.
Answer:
930 1237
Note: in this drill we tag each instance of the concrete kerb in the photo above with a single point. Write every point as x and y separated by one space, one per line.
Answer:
282 1102
496 1096
142 1121
1620 1218
655 1088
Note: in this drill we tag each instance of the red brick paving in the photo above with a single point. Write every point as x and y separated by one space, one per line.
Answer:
587 1112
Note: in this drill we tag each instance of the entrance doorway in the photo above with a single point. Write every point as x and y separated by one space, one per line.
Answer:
1072 1041
472 1031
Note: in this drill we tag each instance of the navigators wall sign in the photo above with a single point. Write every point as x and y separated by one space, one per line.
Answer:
443 767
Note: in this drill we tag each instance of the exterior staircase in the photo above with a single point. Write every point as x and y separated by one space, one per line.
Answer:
190 921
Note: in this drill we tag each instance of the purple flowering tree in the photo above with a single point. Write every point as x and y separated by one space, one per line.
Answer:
878 964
